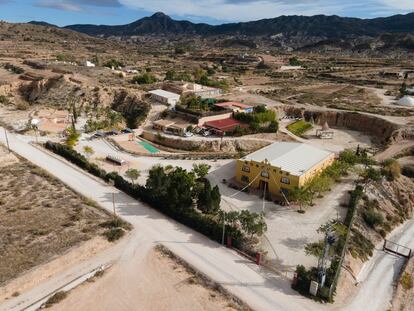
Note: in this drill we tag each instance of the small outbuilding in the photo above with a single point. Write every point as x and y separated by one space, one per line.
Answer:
165 97
223 126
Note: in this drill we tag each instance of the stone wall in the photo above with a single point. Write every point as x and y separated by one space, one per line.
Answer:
380 129
206 145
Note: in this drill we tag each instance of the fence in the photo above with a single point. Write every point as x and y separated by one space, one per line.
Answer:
352 207
397 249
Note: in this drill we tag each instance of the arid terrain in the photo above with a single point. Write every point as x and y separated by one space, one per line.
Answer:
165 284
41 219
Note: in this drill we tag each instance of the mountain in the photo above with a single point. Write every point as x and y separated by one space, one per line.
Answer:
40 23
157 24
328 27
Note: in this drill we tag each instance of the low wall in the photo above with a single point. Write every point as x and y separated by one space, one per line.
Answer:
380 129
206 145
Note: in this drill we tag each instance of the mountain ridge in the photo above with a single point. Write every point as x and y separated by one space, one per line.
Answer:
317 25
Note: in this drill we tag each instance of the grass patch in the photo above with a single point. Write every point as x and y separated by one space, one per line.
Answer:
299 127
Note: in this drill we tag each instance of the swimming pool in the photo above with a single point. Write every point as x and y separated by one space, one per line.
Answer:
149 147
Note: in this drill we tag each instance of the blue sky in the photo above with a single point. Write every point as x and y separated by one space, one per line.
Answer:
113 12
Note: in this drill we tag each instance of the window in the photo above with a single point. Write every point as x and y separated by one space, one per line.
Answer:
246 169
265 174
284 191
245 178
285 180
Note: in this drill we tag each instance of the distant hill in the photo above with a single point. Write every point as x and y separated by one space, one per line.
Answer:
41 23
329 27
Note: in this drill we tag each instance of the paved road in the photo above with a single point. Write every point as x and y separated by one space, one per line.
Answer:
258 288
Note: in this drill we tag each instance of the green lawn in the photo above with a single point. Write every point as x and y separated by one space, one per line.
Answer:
299 127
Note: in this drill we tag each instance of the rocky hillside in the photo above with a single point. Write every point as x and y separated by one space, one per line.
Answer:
317 26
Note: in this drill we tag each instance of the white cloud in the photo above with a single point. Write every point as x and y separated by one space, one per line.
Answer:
59 5
405 5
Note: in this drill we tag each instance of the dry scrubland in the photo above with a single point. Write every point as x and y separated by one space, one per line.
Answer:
404 294
40 217
166 283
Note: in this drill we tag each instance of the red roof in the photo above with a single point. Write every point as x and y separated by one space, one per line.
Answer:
233 104
225 124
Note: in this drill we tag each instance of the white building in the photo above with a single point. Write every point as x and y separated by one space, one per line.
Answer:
165 97
89 64
287 68
202 90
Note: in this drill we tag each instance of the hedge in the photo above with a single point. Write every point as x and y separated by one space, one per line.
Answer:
190 218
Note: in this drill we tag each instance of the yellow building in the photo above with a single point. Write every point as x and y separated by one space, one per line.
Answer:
282 166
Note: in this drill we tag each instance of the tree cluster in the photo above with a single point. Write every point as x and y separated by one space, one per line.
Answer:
261 120
183 195
145 78
113 63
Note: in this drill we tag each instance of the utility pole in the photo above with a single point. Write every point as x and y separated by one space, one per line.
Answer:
113 202
224 227
112 183
7 139
323 260
35 130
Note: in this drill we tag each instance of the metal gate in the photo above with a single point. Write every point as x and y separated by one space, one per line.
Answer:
397 249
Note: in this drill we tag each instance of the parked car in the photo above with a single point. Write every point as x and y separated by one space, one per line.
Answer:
127 131
206 133
188 134
98 134
112 132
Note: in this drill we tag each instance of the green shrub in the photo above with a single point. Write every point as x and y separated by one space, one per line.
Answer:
113 63
406 281
114 234
116 223
56 298
145 78
360 245
391 169
4 99
372 218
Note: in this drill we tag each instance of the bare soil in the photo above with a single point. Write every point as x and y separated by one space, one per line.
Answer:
165 283
40 218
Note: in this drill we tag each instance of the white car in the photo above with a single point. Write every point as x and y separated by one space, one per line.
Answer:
188 134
